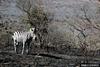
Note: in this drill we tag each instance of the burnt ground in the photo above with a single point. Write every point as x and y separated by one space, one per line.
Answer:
43 58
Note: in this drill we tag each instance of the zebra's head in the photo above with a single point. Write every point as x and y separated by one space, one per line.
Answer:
32 30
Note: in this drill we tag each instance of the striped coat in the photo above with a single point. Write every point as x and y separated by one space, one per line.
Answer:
23 37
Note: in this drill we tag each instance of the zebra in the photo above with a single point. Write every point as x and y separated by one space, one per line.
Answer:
23 37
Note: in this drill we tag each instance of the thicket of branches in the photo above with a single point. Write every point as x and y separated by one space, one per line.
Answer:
36 17
86 29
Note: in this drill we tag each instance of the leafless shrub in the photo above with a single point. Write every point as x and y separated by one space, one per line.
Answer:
36 17
87 35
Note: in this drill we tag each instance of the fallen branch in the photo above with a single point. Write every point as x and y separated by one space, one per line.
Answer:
6 57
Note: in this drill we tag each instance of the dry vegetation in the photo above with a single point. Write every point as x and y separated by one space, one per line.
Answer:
83 37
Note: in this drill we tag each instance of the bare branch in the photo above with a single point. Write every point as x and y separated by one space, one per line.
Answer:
80 30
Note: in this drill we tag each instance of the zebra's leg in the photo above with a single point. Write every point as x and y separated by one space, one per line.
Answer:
23 47
15 46
28 44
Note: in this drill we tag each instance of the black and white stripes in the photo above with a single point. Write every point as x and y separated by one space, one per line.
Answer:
23 37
